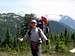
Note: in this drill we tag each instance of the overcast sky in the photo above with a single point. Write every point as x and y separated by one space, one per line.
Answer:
40 7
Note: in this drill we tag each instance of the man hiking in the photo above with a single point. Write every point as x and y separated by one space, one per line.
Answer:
36 36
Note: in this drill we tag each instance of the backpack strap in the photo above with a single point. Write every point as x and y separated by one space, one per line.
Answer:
29 33
40 37
39 32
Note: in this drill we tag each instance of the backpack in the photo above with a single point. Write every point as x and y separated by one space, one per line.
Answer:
41 26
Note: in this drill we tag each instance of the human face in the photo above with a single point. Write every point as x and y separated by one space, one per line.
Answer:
33 24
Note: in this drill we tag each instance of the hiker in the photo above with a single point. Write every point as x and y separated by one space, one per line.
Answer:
36 36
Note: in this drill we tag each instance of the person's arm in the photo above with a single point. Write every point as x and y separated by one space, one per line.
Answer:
20 39
24 38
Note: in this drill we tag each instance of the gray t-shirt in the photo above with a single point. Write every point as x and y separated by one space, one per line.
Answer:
35 35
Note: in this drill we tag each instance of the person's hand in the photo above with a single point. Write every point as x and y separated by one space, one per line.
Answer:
20 39
47 42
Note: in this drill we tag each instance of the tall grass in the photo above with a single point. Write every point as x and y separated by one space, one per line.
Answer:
57 43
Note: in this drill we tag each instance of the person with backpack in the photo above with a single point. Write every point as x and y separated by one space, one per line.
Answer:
35 35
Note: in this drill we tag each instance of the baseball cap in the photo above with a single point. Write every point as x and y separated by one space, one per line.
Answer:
34 21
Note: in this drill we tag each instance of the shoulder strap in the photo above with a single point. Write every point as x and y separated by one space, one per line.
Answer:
39 32
29 33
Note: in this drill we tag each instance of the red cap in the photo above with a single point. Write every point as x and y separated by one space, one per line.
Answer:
44 19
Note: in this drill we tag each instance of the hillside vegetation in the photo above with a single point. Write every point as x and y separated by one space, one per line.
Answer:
13 26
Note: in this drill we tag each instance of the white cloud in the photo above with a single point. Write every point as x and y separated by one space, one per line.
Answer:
40 7
15 6
65 7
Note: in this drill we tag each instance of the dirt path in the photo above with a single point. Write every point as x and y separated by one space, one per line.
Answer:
29 54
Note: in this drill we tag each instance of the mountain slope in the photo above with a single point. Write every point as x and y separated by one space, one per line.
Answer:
68 21
58 27
11 21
